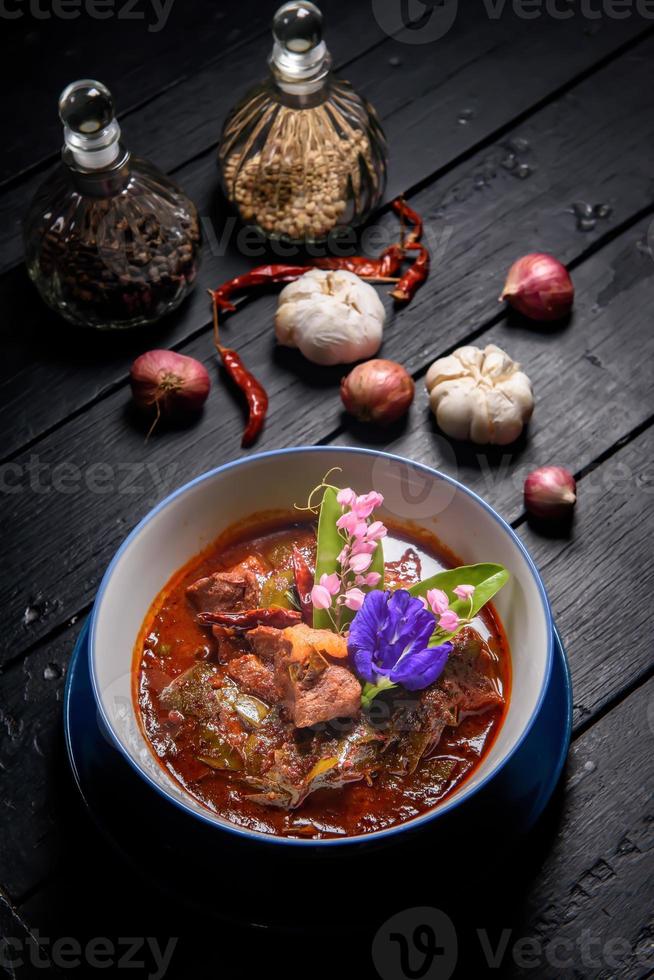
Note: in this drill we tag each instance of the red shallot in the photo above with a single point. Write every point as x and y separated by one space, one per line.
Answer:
378 391
171 383
550 491
540 287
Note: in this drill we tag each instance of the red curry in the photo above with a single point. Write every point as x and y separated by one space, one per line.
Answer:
212 710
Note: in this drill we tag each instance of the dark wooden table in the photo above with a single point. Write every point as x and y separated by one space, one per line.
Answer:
496 129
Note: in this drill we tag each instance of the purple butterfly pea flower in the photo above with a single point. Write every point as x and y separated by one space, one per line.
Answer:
389 638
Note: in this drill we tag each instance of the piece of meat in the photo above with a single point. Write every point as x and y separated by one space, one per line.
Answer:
316 693
467 688
231 591
297 642
228 643
254 677
335 694
266 641
313 689
464 680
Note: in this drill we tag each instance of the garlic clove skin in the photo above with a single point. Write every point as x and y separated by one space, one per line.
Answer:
550 492
331 317
480 395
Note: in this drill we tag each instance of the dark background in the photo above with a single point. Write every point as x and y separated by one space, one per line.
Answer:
497 129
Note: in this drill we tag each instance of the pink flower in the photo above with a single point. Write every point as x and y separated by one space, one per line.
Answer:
360 563
376 531
330 582
349 521
320 597
353 599
464 591
364 505
448 621
346 497
371 579
343 556
361 547
438 600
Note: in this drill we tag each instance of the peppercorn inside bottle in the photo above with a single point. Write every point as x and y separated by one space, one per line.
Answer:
303 154
110 241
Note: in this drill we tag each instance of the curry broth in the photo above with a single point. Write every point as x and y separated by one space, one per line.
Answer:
171 641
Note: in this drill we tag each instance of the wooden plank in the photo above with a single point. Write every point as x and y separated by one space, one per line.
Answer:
578 887
188 63
174 121
75 368
603 564
478 77
588 391
57 533
588 884
33 767
616 570
41 56
21 955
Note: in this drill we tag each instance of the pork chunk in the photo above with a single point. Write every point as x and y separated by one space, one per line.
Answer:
231 591
336 693
266 641
313 688
228 643
254 677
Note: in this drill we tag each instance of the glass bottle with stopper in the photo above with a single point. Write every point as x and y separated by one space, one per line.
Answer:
303 154
110 241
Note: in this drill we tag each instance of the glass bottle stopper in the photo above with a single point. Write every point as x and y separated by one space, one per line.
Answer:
91 131
299 53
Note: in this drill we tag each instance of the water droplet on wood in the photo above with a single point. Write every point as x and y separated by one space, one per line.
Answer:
465 116
30 615
523 170
603 210
394 61
518 144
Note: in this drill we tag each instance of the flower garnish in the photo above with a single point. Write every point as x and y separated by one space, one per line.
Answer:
438 600
388 644
346 529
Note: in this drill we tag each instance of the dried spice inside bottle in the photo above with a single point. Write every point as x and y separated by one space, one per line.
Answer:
110 241
303 153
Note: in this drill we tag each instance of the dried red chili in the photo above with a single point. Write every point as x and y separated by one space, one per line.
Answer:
255 394
275 616
415 275
261 275
406 213
303 577
384 268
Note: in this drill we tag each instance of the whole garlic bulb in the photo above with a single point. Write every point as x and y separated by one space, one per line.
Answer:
480 395
331 317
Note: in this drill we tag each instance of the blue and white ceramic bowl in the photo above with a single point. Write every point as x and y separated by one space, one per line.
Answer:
193 516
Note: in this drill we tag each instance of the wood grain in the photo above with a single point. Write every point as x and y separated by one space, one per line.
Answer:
420 97
61 540
479 216
614 566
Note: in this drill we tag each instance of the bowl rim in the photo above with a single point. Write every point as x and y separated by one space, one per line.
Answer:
440 809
